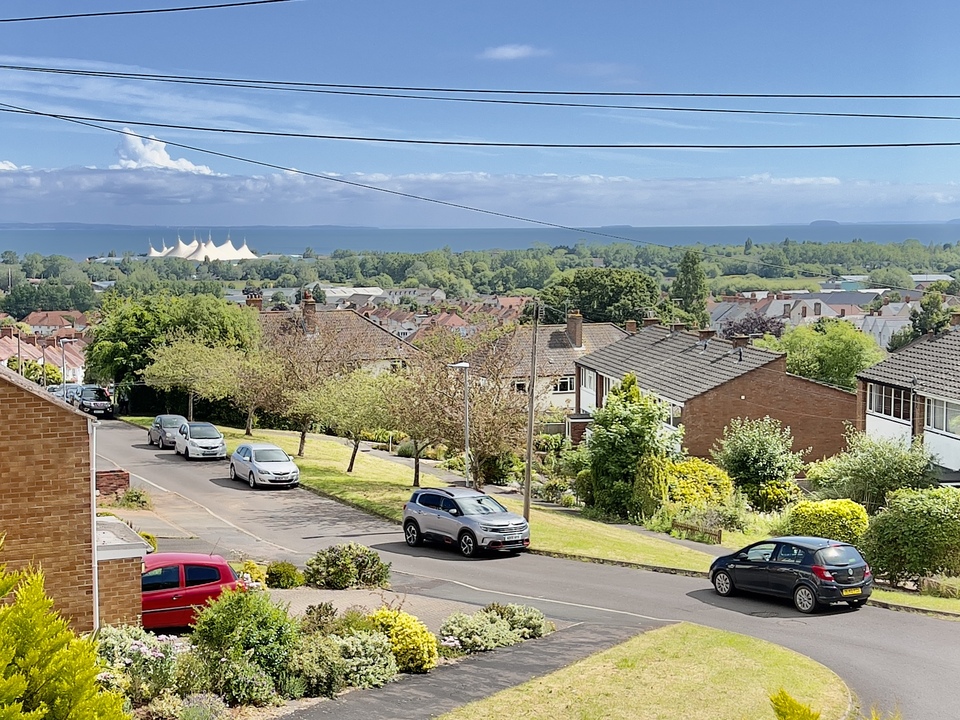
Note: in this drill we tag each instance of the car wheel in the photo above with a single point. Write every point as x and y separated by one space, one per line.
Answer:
149 439
723 583
856 604
176 450
411 533
252 482
233 472
804 600
186 453
468 544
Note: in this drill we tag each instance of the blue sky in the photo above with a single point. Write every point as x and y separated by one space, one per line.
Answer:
54 171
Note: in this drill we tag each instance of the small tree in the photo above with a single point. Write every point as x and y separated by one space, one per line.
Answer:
690 288
356 404
189 365
759 456
872 467
412 406
257 384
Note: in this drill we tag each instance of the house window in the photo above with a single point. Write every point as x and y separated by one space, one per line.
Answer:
943 416
890 401
520 386
564 384
588 379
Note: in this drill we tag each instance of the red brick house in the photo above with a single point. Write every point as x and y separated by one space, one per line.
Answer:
708 381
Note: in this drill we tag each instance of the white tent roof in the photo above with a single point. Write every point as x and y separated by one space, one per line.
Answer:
199 251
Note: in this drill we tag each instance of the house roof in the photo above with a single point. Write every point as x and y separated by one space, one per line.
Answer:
55 318
12 378
676 365
931 364
556 353
361 338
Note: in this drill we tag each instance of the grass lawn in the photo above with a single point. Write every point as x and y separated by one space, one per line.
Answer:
916 600
680 672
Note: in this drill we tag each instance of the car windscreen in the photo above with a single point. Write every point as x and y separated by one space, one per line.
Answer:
171 422
95 394
839 555
270 455
204 432
480 505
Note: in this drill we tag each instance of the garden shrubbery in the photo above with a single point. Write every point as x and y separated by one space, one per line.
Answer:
284 575
697 483
344 566
414 646
842 520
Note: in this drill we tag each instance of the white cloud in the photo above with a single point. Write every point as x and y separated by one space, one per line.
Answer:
512 52
7 165
136 153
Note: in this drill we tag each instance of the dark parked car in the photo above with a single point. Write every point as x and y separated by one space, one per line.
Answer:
812 571
163 430
174 585
94 400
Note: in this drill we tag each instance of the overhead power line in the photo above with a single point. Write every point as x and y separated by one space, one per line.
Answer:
152 11
397 193
4 107
318 88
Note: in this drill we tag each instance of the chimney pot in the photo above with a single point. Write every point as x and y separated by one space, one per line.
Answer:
707 334
255 300
648 321
678 326
575 328
739 341
954 319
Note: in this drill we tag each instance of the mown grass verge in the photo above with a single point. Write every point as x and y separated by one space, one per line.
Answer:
678 672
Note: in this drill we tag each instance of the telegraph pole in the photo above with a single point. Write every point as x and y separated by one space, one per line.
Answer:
531 392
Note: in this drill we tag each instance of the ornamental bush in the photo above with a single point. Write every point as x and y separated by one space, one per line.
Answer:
139 663
203 706
284 575
772 495
367 657
756 452
414 646
528 622
239 680
317 661
479 632
350 565
842 520
697 483
249 628
916 535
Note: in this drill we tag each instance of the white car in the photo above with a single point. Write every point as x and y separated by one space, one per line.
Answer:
200 440
263 464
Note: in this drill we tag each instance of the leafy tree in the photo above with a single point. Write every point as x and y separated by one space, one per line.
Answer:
197 369
414 404
357 405
831 351
257 384
901 338
46 671
890 277
8 257
870 468
82 297
931 317
629 449
45 374
601 295
759 456
690 288
754 324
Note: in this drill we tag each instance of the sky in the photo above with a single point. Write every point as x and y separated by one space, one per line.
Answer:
55 171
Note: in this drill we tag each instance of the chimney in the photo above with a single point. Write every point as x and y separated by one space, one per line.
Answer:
30 340
739 341
954 319
886 300
706 334
630 326
676 327
255 300
309 307
6 331
575 328
648 321
906 298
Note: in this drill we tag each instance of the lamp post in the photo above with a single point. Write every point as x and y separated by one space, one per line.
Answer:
63 364
465 366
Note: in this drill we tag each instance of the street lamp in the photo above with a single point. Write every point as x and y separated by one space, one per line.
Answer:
465 366
63 364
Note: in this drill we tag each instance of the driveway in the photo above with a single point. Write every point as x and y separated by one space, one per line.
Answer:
889 658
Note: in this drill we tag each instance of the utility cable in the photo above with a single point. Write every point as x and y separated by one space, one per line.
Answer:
153 11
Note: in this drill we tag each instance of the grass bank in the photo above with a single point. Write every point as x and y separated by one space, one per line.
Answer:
680 672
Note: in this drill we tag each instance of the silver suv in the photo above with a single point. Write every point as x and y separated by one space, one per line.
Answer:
471 519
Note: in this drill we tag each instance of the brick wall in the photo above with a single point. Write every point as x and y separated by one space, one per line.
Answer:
815 413
45 503
112 481
120 591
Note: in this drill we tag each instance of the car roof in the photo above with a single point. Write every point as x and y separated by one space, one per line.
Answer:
201 424
807 542
155 560
263 446
454 492
171 415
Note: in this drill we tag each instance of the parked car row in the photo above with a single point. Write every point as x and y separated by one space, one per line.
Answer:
91 399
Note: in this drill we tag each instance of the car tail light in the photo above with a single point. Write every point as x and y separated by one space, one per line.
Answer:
866 572
822 573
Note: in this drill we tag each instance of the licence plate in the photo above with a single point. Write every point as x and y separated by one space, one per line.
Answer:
98 412
850 591
513 536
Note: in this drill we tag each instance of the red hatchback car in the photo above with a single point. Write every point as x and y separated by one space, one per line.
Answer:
173 585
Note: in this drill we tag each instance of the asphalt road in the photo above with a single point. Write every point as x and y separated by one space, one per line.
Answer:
891 659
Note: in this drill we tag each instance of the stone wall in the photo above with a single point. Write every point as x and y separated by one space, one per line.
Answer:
110 482
120 591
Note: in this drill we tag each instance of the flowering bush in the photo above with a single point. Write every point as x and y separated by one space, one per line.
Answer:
138 663
414 646
528 622
479 632
368 658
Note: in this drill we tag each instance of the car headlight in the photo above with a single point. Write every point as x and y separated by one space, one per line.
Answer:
492 528
265 473
191 443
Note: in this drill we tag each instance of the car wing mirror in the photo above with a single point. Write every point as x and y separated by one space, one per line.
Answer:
741 556
453 511
290 457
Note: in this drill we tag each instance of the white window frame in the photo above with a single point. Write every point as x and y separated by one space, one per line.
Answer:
519 386
588 379
889 401
943 416
564 384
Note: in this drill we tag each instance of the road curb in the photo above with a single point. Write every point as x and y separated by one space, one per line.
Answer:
911 609
621 563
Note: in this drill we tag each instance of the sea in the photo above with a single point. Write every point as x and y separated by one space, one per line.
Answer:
81 241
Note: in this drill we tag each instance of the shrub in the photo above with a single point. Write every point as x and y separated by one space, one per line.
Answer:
787 708
318 662
870 468
353 619
528 622
344 566
166 706
318 618
568 501
203 706
479 632
553 490
940 586
698 483
917 534
405 449
549 443
283 575
139 663
368 658
241 681
772 495
191 675
136 498
253 572
250 629
414 646
573 461
756 452
842 520
150 538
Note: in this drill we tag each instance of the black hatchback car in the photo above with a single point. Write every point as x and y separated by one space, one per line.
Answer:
812 571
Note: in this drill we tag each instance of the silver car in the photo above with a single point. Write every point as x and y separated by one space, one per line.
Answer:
263 464
200 440
471 520
163 430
